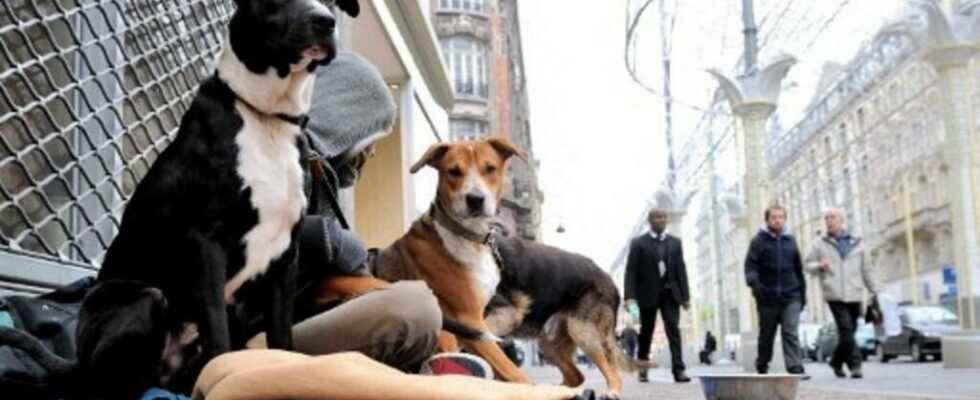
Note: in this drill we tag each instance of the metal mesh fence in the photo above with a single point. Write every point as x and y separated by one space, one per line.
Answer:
91 91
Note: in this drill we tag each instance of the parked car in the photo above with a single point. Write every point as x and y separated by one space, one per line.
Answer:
808 339
827 341
922 327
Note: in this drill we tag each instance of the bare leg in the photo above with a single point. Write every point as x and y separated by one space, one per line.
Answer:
267 375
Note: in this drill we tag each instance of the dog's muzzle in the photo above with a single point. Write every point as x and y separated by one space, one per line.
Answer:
322 26
475 204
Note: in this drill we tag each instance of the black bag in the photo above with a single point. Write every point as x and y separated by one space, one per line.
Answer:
51 318
873 314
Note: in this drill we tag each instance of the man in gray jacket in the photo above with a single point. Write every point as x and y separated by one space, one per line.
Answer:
835 259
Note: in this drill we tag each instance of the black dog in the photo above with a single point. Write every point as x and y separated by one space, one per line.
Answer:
123 349
215 219
565 301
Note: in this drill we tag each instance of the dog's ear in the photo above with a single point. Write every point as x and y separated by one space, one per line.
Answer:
351 7
431 157
506 149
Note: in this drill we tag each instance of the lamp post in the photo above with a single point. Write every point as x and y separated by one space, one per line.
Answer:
753 99
910 238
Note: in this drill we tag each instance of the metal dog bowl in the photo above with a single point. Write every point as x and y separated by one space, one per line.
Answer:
749 386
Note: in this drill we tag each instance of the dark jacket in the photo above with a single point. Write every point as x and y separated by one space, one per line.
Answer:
643 282
774 268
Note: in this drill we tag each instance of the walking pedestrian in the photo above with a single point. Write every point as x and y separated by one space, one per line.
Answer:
628 339
836 260
656 280
710 345
774 272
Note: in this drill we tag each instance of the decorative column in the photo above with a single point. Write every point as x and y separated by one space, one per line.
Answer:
754 115
952 63
950 40
753 100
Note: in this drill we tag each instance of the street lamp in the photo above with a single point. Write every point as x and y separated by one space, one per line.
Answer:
753 99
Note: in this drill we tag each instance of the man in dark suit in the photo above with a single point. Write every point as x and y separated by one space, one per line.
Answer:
656 279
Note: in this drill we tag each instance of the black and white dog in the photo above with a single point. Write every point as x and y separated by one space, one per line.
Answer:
215 219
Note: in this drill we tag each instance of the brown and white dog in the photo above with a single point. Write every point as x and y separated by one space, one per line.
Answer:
447 247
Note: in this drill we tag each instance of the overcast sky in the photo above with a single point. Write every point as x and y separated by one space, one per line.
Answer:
596 133
599 136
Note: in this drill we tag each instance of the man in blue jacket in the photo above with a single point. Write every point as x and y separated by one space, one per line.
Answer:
774 272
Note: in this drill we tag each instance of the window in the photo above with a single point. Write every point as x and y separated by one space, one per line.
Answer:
466 58
465 129
463 5
92 91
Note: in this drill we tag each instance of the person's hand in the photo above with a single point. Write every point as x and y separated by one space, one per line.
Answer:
824 264
632 308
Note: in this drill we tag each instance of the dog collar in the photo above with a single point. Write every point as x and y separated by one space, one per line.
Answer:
489 238
456 227
301 120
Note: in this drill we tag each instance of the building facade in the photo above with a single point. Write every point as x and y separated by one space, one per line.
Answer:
91 94
481 45
871 144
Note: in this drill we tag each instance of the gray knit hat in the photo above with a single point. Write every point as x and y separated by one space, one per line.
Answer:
352 107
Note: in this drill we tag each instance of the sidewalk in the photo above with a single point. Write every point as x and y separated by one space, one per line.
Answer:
893 381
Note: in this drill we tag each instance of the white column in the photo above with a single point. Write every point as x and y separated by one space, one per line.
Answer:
952 63
754 116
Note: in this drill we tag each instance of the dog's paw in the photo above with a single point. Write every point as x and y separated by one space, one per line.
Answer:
611 395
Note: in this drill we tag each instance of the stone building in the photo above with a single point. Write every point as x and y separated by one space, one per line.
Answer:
870 144
481 44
